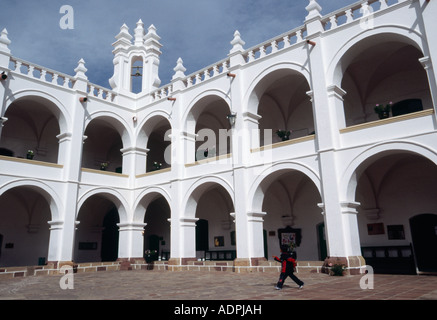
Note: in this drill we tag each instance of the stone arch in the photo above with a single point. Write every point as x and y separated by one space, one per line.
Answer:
45 190
146 197
287 196
279 97
198 188
116 121
360 162
349 49
263 180
51 102
154 137
260 83
198 104
112 195
149 123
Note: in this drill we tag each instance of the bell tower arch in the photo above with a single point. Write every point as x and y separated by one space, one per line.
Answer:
136 64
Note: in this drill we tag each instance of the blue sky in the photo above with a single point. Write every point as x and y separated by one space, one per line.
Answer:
198 31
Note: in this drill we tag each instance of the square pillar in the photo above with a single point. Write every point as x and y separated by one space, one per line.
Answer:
131 241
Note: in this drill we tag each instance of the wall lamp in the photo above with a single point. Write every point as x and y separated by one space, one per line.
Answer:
83 99
171 99
311 42
3 120
4 76
233 75
232 118
134 119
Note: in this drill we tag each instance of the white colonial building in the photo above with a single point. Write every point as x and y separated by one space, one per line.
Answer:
196 169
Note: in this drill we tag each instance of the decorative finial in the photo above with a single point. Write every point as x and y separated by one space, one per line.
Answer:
179 70
4 41
123 38
139 33
151 40
80 70
314 10
237 43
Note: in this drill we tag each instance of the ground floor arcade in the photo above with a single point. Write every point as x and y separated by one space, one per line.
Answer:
396 211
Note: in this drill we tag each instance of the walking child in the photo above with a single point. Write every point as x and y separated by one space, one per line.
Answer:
287 268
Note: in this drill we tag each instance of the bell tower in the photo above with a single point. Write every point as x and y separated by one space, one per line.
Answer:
136 64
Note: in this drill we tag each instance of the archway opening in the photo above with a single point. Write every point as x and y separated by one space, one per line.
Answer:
208 121
290 201
31 130
157 230
24 217
101 150
392 188
383 70
97 233
284 106
215 230
158 145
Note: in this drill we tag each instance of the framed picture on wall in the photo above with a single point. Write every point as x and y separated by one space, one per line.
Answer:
375 228
396 232
219 241
290 237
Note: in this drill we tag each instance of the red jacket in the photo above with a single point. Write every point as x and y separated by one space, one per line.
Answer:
287 262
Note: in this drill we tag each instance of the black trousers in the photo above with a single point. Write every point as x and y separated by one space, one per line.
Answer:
284 276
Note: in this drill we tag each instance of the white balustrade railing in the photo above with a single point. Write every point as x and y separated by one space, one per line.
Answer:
56 78
44 74
100 92
209 72
161 93
355 11
276 44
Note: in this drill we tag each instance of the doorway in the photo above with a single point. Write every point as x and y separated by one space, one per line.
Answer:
110 236
424 236
323 251
202 235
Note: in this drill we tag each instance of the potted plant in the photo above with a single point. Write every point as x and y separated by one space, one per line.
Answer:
383 111
150 255
157 165
283 134
30 154
104 166
336 269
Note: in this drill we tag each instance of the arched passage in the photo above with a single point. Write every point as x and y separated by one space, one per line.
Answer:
104 138
157 230
290 200
155 137
34 122
24 215
380 67
280 98
97 234
209 206
207 122
392 187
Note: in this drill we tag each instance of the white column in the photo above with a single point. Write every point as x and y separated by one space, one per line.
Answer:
187 237
255 232
189 150
428 66
130 244
64 139
134 160
429 12
55 240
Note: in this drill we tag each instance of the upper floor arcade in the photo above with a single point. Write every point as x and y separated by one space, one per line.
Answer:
276 100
